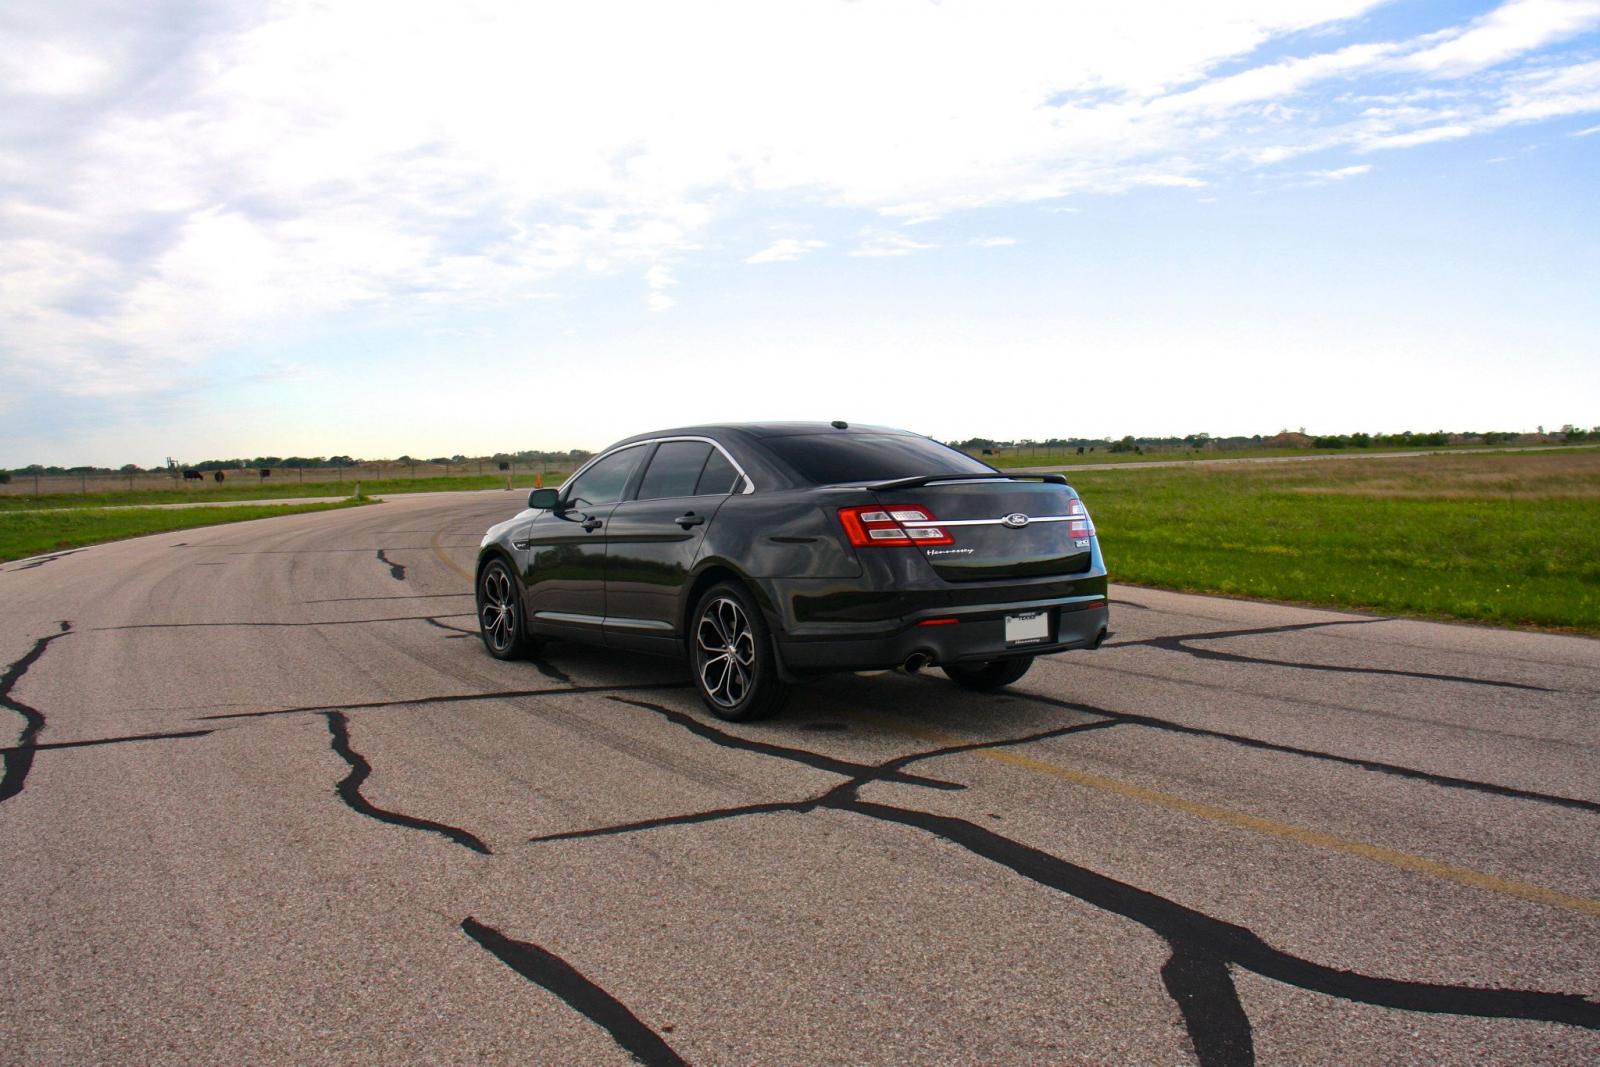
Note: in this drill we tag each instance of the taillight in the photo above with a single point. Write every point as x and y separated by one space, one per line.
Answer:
1079 525
900 524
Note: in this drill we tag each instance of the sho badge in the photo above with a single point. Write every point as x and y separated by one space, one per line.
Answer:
1016 520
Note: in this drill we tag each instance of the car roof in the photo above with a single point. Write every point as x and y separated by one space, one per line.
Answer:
763 429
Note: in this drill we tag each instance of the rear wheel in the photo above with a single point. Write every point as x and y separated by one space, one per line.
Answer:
996 674
500 613
730 649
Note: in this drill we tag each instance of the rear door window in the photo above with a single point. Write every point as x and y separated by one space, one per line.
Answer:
674 470
832 459
719 478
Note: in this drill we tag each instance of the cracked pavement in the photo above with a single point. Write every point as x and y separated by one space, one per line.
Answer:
266 798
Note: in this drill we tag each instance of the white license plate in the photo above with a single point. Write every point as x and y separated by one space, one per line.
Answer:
1026 629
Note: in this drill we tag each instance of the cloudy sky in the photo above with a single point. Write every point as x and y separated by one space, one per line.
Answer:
391 227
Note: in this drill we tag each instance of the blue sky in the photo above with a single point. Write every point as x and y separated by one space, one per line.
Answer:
384 228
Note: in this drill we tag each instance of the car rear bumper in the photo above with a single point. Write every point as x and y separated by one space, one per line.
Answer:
976 636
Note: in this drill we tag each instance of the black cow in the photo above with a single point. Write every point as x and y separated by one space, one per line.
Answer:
193 476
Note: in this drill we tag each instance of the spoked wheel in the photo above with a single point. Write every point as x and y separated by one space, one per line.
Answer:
731 652
985 677
500 612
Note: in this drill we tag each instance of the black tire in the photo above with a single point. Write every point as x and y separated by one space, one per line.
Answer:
499 599
731 656
987 677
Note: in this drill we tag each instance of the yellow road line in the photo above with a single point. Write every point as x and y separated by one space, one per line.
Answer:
1271 827
438 550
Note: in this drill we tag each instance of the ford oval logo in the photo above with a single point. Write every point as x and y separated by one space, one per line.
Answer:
1016 520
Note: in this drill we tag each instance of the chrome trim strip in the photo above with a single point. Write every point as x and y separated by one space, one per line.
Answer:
749 485
569 616
981 522
639 624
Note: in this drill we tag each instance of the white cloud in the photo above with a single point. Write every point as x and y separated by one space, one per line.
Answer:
993 242
172 186
659 301
890 244
784 250
1585 133
1341 173
1410 140
1510 30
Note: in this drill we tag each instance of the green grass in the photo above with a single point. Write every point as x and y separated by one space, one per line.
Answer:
1070 458
270 491
36 533
1507 539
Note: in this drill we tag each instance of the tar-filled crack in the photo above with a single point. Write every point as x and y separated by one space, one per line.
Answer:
1179 643
250 623
95 742
349 790
397 571
18 760
391 596
1204 949
544 666
456 632
1444 780
544 968
449 698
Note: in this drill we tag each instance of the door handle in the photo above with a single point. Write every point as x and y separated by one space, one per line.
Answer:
591 525
689 518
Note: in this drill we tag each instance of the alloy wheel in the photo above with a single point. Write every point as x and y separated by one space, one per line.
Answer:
497 611
725 648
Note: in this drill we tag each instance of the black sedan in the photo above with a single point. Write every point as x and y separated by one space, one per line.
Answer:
770 552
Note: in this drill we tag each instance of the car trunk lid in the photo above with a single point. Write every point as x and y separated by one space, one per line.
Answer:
993 528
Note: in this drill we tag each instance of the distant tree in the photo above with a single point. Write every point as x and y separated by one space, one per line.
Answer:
131 468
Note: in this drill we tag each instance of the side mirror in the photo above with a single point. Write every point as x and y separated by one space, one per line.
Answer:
544 499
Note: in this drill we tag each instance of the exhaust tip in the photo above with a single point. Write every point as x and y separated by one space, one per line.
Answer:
915 662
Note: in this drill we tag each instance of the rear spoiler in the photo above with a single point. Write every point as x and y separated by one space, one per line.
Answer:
928 479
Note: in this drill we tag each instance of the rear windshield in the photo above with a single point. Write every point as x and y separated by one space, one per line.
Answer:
830 459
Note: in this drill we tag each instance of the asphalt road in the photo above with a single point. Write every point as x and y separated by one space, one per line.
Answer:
267 800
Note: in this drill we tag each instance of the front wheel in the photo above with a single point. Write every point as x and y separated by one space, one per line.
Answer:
730 649
500 612
986 677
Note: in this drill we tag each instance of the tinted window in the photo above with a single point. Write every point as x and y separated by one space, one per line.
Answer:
674 469
604 482
719 478
828 459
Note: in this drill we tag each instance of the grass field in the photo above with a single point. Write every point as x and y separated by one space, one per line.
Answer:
36 533
1510 539
1027 457
268 491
